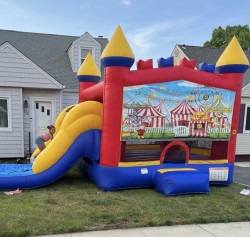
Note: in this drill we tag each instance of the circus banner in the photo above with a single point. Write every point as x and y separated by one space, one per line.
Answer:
176 109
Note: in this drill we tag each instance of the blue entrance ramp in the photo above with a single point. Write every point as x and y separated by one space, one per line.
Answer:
176 181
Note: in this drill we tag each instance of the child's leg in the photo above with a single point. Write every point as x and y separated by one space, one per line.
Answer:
41 147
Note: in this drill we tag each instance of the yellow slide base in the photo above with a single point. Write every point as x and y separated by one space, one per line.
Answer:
58 124
83 117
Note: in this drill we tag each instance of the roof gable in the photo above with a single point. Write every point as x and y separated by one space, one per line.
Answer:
88 37
22 71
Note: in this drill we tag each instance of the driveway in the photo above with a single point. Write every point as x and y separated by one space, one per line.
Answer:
242 173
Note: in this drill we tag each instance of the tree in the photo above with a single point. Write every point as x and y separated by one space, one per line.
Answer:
221 37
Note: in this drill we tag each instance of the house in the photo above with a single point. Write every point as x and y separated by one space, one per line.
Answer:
37 80
211 55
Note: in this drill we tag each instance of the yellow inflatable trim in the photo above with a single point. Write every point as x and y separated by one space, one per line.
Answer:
61 116
57 125
175 169
208 161
83 117
139 163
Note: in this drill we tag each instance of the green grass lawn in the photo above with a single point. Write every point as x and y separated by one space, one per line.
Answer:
74 204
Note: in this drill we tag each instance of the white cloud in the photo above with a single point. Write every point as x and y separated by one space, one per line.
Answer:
158 39
189 84
126 2
145 37
136 87
149 37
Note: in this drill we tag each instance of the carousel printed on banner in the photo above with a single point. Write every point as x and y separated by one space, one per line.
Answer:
176 109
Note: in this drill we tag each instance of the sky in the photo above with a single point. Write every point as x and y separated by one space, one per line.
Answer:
152 27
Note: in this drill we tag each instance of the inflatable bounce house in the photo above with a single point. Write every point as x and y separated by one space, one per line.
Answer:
144 128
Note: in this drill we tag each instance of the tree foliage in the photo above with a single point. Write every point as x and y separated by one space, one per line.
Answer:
221 37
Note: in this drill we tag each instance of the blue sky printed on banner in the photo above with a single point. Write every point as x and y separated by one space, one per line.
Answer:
171 94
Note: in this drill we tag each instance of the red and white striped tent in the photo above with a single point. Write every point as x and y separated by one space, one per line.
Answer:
153 112
216 113
217 119
181 115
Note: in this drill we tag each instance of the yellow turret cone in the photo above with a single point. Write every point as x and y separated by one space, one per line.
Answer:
117 51
233 59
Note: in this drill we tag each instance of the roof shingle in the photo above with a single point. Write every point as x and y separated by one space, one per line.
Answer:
47 51
210 55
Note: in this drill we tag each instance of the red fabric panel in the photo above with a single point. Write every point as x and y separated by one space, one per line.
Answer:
82 87
94 92
219 150
112 115
235 121
230 81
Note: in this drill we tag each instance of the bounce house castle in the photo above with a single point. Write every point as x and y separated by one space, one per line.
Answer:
144 128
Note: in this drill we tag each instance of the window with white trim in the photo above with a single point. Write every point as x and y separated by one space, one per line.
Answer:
83 54
4 113
247 119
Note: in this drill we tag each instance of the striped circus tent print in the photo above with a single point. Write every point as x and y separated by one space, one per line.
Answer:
217 113
217 119
153 112
181 115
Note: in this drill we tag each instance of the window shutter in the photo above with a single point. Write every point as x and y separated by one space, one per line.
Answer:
241 118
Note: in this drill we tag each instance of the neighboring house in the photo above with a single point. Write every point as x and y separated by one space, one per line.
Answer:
37 80
211 55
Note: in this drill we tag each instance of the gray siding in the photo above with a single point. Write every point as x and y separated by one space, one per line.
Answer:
242 144
85 41
11 142
246 92
28 94
70 98
17 71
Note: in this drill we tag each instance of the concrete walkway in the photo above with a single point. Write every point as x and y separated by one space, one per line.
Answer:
234 229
